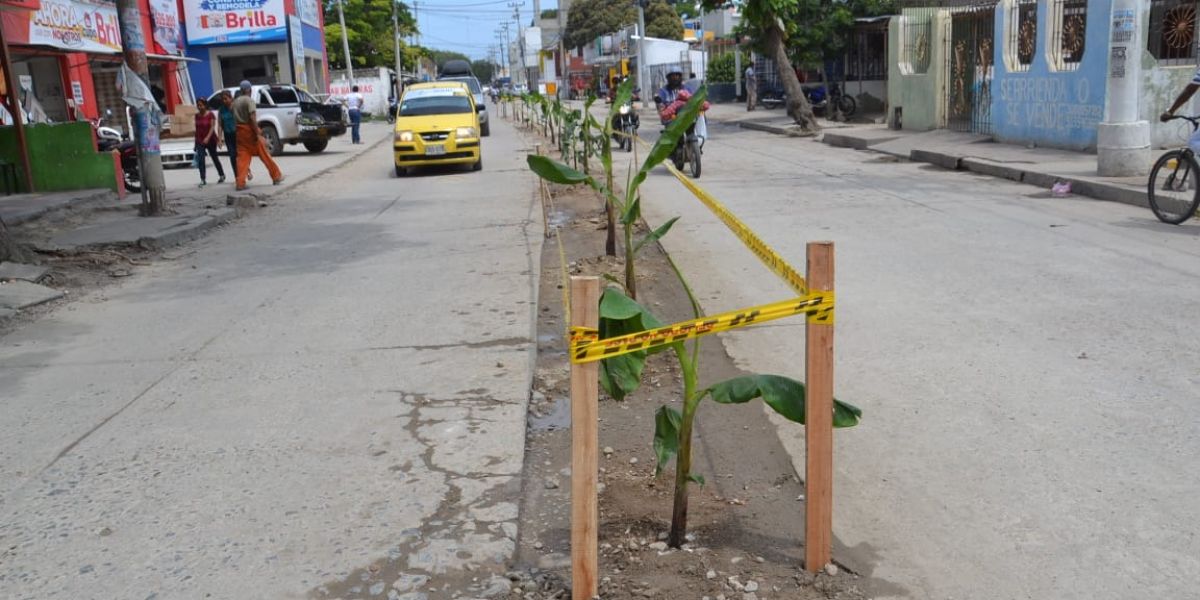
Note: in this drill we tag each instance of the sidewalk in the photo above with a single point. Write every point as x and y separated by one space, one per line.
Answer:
73 220
1041 167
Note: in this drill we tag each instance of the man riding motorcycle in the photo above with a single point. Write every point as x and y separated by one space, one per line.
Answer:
669 100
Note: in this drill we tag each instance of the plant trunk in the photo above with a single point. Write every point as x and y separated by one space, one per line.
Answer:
9 250
683 460
610 240
798 107
630 274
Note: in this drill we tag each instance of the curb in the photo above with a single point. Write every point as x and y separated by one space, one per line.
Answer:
252 198
1098 190
188 231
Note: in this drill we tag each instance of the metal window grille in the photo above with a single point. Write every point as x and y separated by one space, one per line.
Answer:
970 66
1023 34
866 58
918 41
1172 35
1070 33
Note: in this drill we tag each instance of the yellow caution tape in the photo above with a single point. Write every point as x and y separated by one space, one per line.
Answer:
586 345
768 256
761 249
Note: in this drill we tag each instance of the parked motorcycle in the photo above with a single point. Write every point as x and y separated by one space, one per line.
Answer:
109 139
821 101
772 96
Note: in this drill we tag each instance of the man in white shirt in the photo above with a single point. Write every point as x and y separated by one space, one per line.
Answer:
354 102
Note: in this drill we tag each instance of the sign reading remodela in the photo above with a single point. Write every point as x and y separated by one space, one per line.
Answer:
234 21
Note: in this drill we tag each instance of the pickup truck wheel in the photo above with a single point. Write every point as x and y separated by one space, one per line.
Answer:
486 129
316 146
274 145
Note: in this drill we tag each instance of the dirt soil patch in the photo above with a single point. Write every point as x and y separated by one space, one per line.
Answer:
745 524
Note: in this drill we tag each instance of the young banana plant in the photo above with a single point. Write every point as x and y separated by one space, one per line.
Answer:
629 205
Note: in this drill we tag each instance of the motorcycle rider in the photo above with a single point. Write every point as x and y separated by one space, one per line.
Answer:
668 93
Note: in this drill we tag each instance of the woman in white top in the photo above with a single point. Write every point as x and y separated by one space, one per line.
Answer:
354 102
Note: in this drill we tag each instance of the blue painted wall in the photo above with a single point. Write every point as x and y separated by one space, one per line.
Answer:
200 72
1046 107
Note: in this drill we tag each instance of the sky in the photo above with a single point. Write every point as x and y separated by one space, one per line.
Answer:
468 26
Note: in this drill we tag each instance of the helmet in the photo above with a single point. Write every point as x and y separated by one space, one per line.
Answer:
675 72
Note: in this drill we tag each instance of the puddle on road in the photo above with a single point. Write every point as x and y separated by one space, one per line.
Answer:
558 218
558 417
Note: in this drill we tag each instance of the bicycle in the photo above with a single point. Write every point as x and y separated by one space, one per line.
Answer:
1175 198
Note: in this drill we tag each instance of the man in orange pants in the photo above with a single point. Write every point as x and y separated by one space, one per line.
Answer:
249 138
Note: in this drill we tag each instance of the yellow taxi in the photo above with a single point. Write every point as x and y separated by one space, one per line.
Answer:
437 123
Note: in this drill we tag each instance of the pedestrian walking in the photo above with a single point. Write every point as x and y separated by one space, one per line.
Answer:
249 138
751 88
354 102
228 130
206 142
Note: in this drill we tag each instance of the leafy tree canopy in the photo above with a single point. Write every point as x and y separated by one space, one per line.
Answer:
484 70
663 22
369 31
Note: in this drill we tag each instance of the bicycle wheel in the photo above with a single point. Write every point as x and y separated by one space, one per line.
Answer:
1173 191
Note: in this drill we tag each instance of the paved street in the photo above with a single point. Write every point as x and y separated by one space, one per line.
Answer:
330 383
1025 365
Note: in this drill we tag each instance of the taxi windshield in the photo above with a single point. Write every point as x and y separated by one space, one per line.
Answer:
418 103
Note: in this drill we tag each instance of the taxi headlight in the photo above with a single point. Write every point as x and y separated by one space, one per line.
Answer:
404 136
465 132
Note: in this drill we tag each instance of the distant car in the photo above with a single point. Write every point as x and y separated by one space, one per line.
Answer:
460 70
437 124
290 115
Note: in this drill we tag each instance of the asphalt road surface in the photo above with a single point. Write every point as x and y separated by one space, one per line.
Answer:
335 383
1028 367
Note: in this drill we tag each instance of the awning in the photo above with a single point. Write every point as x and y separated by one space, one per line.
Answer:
171 57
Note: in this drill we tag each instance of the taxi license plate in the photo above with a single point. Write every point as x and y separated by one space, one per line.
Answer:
437 150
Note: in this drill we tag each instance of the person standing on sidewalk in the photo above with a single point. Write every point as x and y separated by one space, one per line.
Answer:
354 102
228 131
751 88
206 142
249 137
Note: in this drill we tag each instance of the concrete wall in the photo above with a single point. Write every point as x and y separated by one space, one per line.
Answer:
1046 106
870 95
1160 86
62 156
917 95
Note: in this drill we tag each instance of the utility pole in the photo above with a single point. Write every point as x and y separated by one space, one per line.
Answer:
642 83
346 44
148 120
396 39
516 6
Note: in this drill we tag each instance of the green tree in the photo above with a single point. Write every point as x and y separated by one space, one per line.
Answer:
662 21
804 32
484 70
369 31
590 19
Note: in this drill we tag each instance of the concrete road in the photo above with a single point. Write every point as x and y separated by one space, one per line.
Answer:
1027 367
327 393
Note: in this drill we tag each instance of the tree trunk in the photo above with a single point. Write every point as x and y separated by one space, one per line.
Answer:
798 107
9 250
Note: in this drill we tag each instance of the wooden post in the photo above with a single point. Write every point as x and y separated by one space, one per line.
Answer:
585 438
818 411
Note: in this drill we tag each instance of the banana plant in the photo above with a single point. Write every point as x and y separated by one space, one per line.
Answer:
629 206
622 375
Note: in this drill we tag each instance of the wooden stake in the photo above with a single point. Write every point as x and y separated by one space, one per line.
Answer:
585 439
818 411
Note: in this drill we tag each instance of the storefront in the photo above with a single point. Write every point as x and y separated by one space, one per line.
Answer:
66 55
260 41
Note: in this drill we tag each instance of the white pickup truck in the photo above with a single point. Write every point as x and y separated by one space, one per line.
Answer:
290 115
